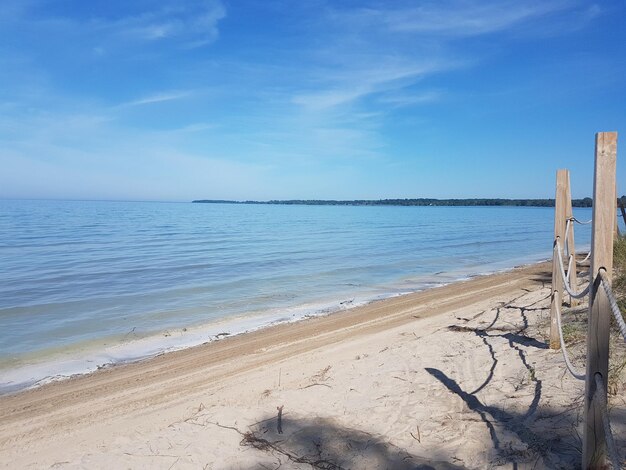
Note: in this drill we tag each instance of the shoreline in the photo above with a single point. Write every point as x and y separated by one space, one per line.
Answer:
353 317
104 418
76 361
458 376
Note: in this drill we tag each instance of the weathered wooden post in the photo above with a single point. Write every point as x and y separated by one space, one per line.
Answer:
572 277
559 234
604 213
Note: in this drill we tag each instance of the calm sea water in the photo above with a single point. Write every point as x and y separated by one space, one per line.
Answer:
84 284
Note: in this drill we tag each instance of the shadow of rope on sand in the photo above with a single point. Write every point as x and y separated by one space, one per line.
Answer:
512 422
513 338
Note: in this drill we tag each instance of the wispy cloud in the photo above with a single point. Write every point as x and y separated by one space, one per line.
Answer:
358 81
188 24
329 98
411 99
467 19
196 22
157 98
452 17
196 127
419 42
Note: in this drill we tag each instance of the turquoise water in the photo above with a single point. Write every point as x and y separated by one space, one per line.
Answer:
89 283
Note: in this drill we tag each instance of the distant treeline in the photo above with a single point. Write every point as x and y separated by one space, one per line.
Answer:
586 202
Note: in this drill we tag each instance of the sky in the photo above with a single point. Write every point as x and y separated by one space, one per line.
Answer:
318 99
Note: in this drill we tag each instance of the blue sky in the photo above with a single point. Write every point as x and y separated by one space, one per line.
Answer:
179 100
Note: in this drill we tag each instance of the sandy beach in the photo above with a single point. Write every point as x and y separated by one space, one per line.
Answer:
453 377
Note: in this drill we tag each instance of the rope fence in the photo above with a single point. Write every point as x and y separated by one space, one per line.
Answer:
601 393
570 367
617 314
565 276
599 448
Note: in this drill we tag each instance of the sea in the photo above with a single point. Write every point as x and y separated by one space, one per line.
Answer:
91 284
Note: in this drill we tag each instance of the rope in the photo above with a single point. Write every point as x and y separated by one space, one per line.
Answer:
578 375
608 434
566 238
574 219
570 291
568 223
614 307
569 266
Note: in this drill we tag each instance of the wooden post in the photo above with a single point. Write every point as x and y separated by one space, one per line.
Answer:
572 273
594 443
559 234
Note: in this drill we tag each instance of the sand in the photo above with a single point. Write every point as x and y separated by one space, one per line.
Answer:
454 377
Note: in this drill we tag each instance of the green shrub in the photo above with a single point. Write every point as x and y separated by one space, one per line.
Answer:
619 276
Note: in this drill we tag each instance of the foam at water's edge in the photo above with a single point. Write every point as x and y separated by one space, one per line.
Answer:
68 365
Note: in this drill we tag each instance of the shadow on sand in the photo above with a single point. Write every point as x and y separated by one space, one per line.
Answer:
324 444
537 437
